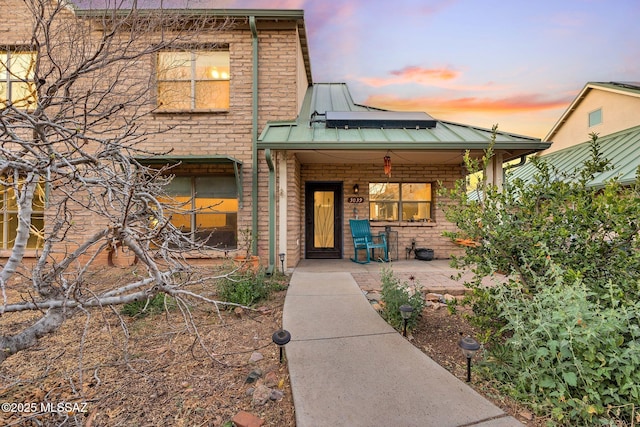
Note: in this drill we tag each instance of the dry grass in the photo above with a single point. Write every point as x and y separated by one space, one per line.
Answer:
121 371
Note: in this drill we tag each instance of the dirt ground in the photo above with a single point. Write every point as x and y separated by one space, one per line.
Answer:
153 370
437 335
156 373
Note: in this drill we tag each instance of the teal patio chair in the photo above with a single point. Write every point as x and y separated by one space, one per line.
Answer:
364 240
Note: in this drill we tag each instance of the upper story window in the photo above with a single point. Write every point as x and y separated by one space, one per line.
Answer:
409 201
595 117
193 81
17 70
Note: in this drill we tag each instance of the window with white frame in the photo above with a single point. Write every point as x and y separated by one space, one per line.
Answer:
409 201
193 80
206 209
17 86
9 212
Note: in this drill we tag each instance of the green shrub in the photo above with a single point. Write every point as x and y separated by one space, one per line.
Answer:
151 306
568 355
247 287
394 294
565 324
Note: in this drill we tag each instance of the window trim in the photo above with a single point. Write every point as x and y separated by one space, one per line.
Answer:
599 116
11 79
192 50
6 213
193 211
399 203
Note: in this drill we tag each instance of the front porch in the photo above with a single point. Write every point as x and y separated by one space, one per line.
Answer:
434 276
339 160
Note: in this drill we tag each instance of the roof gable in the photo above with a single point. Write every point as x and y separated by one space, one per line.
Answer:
622 88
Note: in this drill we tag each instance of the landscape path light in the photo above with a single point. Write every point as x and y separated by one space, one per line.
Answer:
282 255
281 338
405 312
469 347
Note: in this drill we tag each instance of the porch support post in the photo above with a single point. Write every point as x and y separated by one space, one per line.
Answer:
272 211
494 171
282 204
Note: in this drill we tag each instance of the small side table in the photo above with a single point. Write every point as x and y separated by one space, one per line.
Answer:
392 242
411 249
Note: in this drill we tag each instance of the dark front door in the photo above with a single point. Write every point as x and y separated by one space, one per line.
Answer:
323 220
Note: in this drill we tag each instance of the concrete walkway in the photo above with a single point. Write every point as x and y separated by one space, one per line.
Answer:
348 367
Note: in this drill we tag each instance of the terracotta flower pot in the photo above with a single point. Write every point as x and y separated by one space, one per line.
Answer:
121 257
243 263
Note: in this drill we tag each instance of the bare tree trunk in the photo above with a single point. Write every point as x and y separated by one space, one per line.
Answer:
48 323
76 134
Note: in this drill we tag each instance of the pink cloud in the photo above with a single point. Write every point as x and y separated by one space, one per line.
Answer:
413 74
417 73
443 77
440 106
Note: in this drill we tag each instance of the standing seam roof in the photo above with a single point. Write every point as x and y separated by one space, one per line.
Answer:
309 128
622 149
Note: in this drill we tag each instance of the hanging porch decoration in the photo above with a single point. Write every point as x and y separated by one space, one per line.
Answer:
387 165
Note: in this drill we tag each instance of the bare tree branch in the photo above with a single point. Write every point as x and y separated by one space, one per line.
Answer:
75 137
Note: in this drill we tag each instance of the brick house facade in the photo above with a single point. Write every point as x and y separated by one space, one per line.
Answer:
267 174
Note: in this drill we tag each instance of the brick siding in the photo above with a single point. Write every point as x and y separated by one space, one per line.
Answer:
427 235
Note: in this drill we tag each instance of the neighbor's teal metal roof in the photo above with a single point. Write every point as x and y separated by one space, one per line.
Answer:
622 149
308 131
632 88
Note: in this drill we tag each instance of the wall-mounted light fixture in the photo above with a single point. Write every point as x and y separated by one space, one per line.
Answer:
356 188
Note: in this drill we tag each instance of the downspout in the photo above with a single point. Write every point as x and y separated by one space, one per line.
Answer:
272 212
254 136
523 160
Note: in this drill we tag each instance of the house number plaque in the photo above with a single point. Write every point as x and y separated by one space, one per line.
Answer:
355 199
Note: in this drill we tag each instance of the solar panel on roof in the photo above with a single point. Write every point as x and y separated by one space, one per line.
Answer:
379 119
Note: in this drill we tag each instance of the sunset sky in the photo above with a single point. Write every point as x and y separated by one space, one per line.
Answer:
517 63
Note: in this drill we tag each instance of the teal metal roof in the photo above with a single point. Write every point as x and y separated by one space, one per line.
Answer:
309 130
622 149
632 88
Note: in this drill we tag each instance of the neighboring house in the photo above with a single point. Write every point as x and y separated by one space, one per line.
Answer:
290 160
610 109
